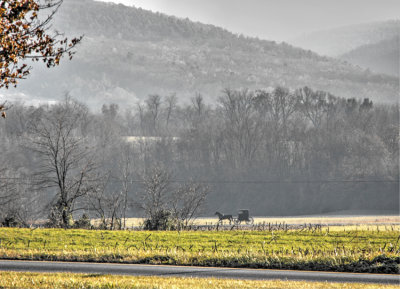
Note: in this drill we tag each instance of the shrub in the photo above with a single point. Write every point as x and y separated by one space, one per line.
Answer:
55 219
83 223
11 221
161 220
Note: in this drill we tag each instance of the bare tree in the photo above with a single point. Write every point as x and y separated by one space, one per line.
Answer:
171 106
65 161
153 103
149 115
156 191
313 104
125 177
187 201
7 193
8 196
142 120
107 205
282 104
243 128
198 104
19 204
163 202
110 111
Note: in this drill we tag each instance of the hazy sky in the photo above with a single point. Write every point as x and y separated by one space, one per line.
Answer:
274 19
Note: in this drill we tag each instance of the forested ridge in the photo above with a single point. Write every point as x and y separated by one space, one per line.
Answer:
275 152
128 53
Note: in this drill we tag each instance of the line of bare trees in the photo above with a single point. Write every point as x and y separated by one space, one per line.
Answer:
77 171
164 159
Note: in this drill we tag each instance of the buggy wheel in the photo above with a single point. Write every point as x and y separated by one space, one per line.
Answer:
250 221
236 221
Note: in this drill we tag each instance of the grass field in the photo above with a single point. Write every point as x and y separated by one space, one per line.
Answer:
373 249
62 280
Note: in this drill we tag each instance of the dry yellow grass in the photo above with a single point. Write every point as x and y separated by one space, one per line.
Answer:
323 220
68 280
332 220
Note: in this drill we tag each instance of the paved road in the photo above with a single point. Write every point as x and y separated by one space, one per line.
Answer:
181 271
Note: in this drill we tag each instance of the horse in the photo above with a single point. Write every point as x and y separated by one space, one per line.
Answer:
223 217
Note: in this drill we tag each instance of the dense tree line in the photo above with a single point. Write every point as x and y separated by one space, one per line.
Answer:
275 152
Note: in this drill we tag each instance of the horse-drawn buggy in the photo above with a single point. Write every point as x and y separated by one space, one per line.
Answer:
243 216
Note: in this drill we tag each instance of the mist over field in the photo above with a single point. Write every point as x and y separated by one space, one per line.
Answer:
158 114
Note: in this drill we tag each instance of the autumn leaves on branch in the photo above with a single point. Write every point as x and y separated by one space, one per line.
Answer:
23 35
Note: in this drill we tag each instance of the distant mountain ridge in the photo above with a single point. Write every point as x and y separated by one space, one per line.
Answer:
373 46
128 53
381 57
337 41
